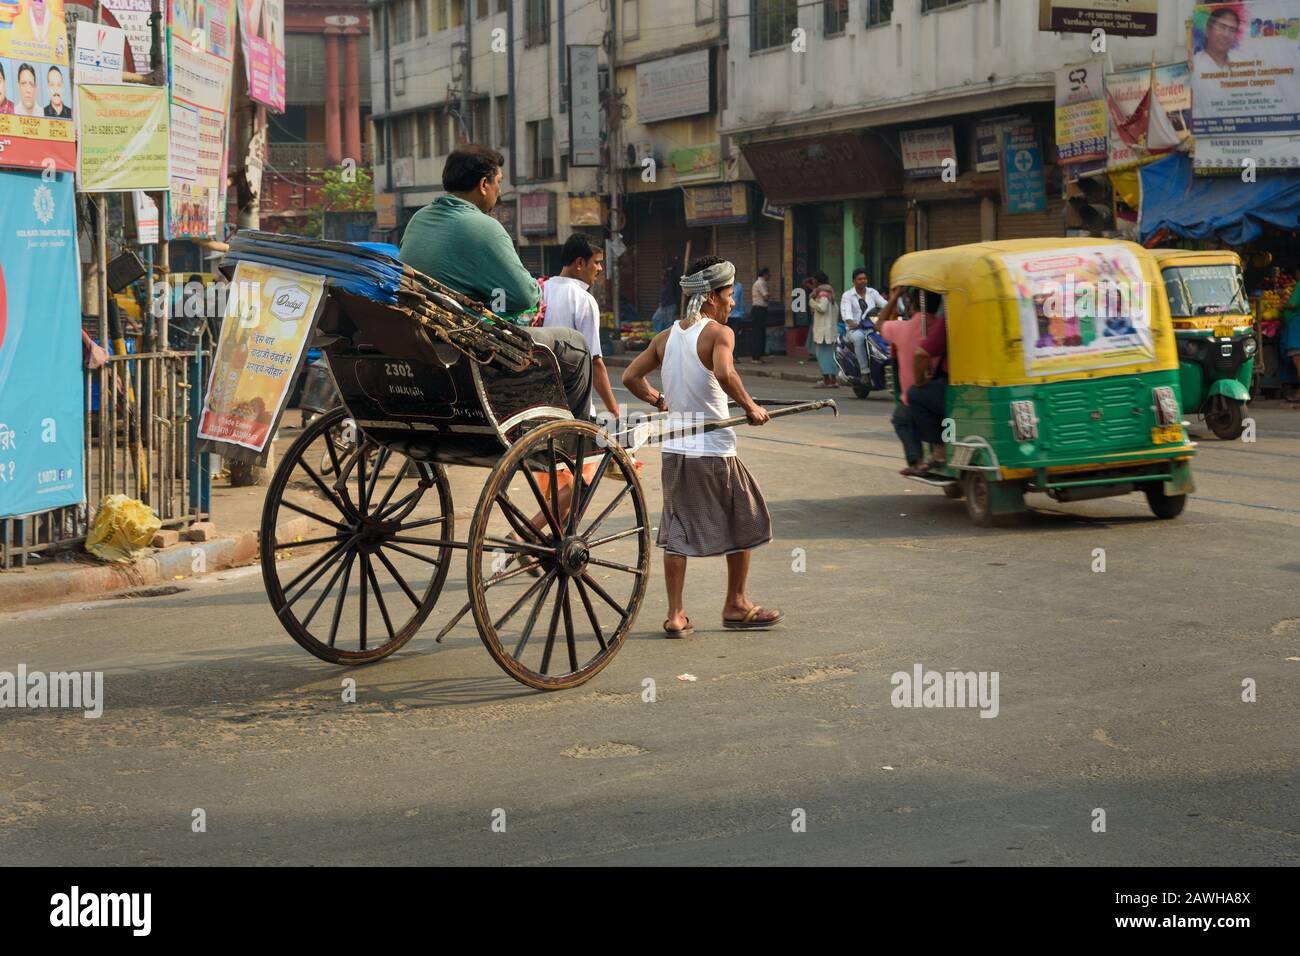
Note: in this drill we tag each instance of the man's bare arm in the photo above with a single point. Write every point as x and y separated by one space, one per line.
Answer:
600 379
724 370
890 311
634 376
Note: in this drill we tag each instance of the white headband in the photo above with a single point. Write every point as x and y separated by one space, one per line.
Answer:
700 284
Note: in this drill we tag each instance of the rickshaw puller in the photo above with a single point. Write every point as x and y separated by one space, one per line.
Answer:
712 504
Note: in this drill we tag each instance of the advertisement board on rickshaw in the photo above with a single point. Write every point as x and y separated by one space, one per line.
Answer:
263 343
1081 308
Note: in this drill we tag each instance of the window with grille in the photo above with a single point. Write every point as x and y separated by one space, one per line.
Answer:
423 124
376 34
405 145
421 14
835 13
441 138
928 5
771 23
541 148
879 11
400 16
458 12
537 22
478 112
631 19
502 137
399 77
377 137
705 10
437 15
481 9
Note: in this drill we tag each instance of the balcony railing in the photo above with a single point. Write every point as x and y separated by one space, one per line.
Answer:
300 157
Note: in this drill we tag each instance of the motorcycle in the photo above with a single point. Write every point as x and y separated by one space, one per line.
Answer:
877 357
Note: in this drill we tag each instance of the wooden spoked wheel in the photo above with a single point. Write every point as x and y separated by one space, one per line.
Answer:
383 521
557 567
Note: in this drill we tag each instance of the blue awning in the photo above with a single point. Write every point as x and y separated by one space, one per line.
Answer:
1209 207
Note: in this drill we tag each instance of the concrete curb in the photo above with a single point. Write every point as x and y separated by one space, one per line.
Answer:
39 587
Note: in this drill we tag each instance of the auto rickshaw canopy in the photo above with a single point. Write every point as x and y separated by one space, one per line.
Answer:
998 293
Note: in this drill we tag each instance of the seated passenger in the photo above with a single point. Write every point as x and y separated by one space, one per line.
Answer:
925 398
456 242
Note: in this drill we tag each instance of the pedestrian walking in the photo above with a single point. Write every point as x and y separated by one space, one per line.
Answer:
712 504
825 328
758 316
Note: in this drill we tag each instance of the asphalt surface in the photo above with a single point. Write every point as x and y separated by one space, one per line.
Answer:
1119 691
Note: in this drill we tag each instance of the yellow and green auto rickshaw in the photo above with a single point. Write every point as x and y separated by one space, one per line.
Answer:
1214 332
1063 374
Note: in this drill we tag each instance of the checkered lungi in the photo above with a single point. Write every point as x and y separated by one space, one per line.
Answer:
712 506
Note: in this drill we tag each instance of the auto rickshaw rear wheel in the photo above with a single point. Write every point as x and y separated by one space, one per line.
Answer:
978 492
1224 417
1162 505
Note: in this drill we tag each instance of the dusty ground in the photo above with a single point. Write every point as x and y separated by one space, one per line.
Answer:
1118 690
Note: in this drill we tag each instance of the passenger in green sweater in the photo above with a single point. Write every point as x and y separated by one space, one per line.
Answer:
454 240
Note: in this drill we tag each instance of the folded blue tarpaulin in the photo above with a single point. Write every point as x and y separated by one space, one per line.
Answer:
345 265
1210 207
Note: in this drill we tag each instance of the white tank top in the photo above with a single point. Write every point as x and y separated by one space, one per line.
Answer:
694 395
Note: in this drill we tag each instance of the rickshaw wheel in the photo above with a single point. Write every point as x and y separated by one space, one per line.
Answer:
953 490
1224 417
1163 506
526 549
377 507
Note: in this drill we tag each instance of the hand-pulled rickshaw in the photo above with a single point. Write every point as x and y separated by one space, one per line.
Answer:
1063 374
558 549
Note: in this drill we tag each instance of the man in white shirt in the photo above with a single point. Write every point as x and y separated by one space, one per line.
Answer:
854 306
570 305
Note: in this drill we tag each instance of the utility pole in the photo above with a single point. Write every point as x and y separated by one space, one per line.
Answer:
614 113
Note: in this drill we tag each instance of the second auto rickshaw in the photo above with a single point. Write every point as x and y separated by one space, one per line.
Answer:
1063 374
1214 332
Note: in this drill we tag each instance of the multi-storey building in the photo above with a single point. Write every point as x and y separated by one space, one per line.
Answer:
843 109
327 106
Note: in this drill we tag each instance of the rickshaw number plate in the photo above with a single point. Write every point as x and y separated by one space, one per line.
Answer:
1223 331
1167 435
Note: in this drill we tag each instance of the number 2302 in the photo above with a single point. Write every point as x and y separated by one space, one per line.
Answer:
398 369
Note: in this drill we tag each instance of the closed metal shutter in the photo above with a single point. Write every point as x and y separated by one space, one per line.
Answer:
1034 225
646 256
771 234
533 258
735 244
952 223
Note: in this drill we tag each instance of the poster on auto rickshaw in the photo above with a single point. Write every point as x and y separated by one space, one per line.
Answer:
268 320
1082 308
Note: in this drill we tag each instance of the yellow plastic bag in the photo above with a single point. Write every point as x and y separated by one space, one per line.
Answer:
121 527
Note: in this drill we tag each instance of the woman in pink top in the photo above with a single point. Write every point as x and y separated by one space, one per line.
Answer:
903 335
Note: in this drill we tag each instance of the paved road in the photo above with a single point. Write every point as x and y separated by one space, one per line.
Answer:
1118 691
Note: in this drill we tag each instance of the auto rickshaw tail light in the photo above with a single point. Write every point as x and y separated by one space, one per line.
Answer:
1166 405
1024 421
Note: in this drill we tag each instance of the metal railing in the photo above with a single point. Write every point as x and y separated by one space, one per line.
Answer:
141 422
301 157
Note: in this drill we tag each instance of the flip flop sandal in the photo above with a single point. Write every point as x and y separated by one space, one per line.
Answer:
748 623
672 632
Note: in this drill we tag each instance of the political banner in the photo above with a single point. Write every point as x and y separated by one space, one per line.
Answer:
36 128
1246 68
260 352
41 391
261 28
201 36
100 53
1081 112
124 138
1080 309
